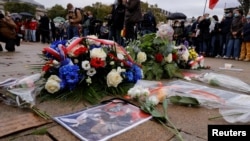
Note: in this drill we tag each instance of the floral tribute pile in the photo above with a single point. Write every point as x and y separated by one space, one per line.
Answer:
88 67
159 58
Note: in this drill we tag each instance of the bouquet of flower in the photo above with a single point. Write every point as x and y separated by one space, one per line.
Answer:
22 92
88 68
154 52
188 58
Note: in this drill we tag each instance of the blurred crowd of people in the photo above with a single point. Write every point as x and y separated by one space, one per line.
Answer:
225 38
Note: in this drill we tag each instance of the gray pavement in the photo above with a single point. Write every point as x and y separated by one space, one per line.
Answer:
192 122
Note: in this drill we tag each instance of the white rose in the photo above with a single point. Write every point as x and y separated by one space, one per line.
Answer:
141 57
52 86
169 58
113 78
54 77
98 53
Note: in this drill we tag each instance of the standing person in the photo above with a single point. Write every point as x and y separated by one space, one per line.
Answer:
215 37
133 15
53 30
148 24
225 25
26 30
245 46
117 20
75 18
233 48
204 34
33 27
44 26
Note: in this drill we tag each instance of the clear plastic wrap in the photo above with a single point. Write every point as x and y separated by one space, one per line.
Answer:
224 81
20 92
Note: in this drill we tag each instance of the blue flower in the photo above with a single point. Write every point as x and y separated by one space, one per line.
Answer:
69 75
137 73
129 76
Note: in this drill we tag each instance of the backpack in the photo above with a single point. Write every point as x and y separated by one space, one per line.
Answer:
148 20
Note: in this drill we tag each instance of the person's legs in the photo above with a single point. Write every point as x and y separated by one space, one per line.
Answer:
242 51
236 49
229 48
247 51
10 45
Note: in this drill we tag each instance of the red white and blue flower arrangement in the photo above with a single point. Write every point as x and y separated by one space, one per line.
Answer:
89 68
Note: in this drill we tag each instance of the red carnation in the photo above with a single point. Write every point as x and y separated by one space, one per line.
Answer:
159 57
80 51
97 63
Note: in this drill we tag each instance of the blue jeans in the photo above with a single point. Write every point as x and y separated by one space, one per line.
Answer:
72 31
203 46
85 31
216 50
32 36
233 48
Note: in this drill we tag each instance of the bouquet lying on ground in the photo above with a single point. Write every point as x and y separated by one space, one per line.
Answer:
87 68
22 92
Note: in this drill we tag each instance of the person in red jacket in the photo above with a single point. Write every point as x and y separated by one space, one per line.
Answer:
33 26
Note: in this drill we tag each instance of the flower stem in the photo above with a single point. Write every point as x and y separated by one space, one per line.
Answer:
174 131
221 116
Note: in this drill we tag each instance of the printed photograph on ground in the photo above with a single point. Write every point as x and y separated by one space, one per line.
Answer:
103 121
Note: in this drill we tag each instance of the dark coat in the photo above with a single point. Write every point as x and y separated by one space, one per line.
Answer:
204 29
246 32
117 18
7 28
237 26
225 25
133 12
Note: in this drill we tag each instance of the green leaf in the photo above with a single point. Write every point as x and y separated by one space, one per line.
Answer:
182 100
41 131
165 106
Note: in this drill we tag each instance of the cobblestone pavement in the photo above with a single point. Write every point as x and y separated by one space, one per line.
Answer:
192 122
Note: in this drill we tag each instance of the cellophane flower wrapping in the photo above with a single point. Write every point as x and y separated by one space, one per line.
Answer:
224 81
88 65
20 92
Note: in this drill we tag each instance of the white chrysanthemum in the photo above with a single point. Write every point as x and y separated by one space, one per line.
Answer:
114 78
153 100
91 72
169 58
120 56
141 57
86 65
98 53
138 91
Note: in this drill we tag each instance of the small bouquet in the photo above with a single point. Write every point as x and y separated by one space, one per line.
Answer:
22 92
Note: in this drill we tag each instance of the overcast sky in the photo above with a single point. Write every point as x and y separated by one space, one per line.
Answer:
189 7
